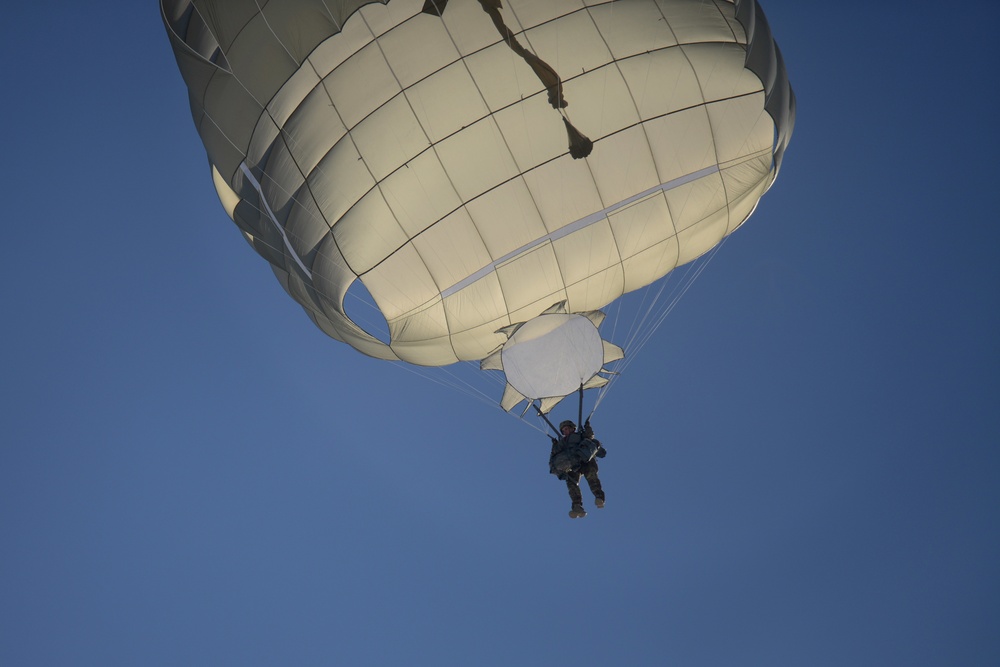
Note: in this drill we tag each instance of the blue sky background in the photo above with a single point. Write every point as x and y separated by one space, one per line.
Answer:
803 467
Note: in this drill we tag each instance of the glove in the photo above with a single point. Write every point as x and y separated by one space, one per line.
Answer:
601 452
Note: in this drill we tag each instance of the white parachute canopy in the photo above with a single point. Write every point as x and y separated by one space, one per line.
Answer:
469 163
553 355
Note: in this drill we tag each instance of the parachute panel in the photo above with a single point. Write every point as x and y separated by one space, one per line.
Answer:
453 249
618 180
586 252
641 224
420 193
596 290
631 28
651 264
531 276
390 137
368 232
507 218
394 297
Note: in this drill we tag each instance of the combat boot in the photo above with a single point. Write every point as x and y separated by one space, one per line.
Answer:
577 512
599 502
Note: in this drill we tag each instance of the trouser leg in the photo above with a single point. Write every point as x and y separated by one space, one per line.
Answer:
593 481
573 486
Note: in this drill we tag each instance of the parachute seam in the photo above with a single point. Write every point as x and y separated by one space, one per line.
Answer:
348 135
349 130
637 330
260 11
266 113
183 39
725 189
746 49
286 138
562 276
736 39
464 204
541 164
521 170
666 202
565 114
321 82
433 147
695 106
615 61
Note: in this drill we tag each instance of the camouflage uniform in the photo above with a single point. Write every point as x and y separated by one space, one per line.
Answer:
588 469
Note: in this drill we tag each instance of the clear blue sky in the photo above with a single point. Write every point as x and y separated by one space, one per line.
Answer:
803 468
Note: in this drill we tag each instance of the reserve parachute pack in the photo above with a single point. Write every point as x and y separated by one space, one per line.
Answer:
574 456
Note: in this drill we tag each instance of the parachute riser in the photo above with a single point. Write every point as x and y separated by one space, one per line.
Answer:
552 426
542 415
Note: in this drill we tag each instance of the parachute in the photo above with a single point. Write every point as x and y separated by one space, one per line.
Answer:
491 173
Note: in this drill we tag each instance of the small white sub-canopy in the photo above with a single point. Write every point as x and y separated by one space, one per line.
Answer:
552 355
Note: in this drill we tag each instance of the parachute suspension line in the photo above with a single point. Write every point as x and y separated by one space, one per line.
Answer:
579 423
644 331
445 377
639 328
666 311
449 379
542 415
452 381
